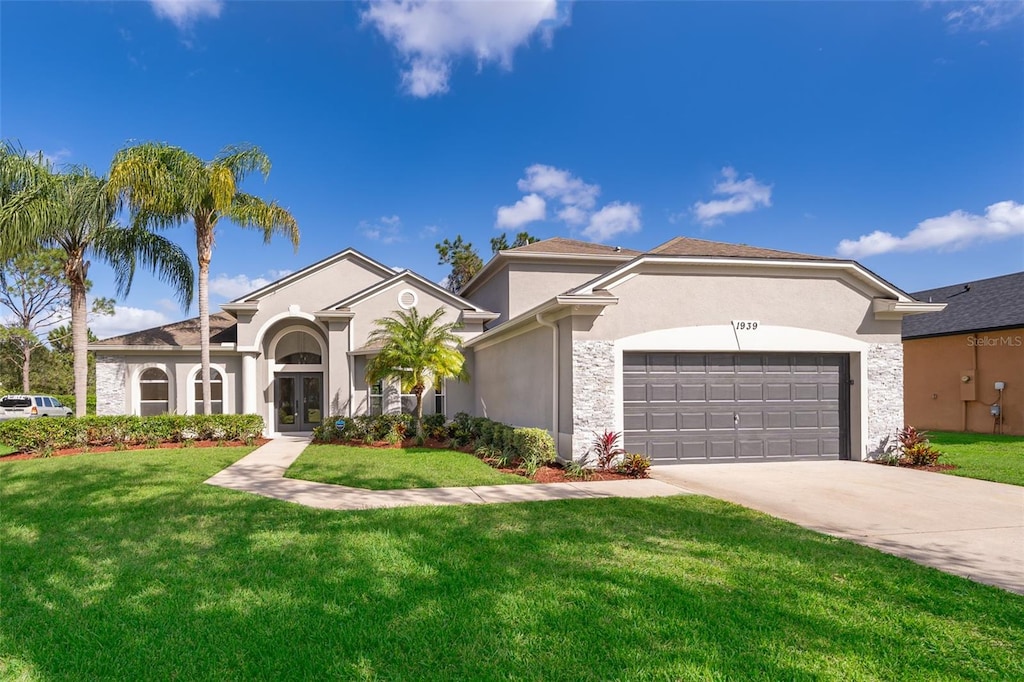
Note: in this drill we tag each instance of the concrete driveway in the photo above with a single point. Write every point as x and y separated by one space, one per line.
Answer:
960 525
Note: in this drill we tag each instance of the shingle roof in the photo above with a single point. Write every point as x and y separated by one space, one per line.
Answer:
574 247
995 303
688 246
223 329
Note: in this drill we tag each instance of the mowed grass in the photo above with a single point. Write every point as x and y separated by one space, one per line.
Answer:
989 457
5 450
126 566
395 468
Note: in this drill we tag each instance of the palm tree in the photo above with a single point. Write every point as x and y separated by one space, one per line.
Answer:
167 186
75 212
416 351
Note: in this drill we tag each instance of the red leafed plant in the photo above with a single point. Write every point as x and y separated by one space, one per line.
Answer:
606 449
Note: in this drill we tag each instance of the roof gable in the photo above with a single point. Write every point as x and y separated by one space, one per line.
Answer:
347 254
409 277
987 304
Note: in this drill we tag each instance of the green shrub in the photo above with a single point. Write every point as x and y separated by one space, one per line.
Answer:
434 426
33 435
391 428
634 465
578 470
533 444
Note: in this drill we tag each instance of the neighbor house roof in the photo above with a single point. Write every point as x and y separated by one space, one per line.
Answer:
982 305
688 246
223 329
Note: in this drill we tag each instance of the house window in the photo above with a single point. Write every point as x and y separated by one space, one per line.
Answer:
377 398
153 392
216 392
298 348
439 392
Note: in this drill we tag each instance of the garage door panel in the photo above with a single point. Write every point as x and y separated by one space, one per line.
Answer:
692 392
661 393
729 407
664 421
719 392
750 392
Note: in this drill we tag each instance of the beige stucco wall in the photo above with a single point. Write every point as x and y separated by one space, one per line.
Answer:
513 380
179 368
313 292
531 284
661 300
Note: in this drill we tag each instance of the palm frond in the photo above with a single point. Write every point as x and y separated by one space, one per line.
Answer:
271 218
243 160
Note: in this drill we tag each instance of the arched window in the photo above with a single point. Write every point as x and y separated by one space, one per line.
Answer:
298 348
153 392
216 392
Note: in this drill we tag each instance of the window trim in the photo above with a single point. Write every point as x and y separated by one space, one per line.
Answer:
227 405
136 386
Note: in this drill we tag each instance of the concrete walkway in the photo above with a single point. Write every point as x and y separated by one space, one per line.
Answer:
262 472
959 525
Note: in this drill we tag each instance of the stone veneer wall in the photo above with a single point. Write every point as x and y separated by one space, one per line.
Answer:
885 393
593 393
110 385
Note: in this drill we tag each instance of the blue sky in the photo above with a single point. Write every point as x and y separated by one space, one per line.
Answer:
888 132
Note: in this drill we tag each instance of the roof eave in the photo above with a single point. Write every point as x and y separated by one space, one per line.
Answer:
890 309
592 303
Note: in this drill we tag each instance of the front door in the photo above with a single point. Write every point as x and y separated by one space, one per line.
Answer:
299 400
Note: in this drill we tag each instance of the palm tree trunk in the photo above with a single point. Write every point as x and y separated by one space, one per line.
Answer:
419 413
75 271
204 249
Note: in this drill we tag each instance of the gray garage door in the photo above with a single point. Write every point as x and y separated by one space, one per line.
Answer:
711 407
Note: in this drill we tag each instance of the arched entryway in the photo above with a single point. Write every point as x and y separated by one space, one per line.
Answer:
297 358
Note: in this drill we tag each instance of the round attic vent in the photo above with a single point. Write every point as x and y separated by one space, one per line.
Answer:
407 299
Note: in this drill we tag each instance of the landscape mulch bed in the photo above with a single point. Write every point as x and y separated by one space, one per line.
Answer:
67 452
933 467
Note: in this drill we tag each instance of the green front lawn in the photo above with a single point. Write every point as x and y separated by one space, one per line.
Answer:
985 456
126 566
395 469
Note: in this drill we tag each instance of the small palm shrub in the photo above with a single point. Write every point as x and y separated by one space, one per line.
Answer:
578 471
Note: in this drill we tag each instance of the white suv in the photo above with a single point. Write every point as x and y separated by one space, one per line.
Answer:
12 406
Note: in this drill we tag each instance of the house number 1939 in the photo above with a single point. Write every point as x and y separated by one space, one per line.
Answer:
745 325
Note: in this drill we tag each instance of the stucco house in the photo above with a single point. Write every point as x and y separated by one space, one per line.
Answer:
965 364
697 350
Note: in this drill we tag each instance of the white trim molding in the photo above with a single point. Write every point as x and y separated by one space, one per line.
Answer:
227 402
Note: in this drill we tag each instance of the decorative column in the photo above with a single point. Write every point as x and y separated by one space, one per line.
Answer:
249 387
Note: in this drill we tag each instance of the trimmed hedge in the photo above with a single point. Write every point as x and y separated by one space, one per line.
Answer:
32 435
533 447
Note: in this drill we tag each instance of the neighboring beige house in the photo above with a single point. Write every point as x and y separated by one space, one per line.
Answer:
698 351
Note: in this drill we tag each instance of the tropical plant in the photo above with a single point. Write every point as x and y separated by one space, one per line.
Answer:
634 465
417 352
606 449
167 186
75 211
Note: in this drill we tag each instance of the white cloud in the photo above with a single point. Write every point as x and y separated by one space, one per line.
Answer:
951 232
555 183
743 196
529 209
126 319
983 16
168 306
184 13
431 35
237 286
612 220
576 201
386 229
